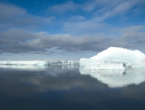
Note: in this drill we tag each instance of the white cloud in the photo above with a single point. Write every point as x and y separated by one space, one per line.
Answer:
113 8
84 27
61 8
133 29
77 18
99 11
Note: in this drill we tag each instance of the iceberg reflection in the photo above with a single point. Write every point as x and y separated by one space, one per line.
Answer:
117 78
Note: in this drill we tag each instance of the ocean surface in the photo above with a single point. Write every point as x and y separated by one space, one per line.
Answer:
71 88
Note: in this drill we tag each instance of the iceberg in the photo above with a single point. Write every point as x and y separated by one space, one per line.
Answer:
115 58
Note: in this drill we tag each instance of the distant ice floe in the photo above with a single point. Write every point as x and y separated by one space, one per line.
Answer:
117 78
37 64
115 58
24 63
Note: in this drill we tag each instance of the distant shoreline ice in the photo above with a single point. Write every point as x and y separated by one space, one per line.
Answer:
39 63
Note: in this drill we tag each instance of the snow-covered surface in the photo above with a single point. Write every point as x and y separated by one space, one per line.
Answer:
115 58
117 78
27 67
106 65
24 63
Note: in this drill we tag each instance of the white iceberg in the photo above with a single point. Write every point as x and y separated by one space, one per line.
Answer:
115 58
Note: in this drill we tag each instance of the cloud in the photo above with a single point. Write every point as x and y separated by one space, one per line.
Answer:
62 8
15 41
19 41
114 8
77 18
21 32
133 29
15 17
84 27
96 14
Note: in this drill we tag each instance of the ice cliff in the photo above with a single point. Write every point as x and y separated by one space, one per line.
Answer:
115 58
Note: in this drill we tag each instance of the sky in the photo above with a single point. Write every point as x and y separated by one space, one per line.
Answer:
69 29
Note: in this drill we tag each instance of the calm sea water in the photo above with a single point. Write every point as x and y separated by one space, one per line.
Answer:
63 88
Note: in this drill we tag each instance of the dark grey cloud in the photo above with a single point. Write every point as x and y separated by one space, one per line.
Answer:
15 41
19 41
